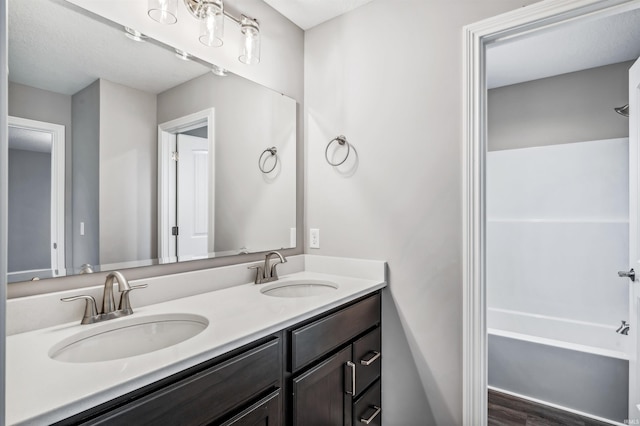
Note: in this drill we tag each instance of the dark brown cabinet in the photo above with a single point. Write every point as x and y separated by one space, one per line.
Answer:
266 412
319 396
334 368
324 371
208 394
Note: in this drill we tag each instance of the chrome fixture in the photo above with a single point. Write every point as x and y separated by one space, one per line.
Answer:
211 14
623 329
267 273
109 310
623 110
263 160
342 141
631 274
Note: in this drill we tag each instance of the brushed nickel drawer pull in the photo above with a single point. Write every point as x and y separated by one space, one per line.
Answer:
373 416
352 366
370 361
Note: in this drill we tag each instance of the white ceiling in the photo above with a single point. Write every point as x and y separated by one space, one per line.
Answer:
309 13
570 47
54 47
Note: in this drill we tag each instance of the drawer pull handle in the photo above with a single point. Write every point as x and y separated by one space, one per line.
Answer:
367 362
352 367
373 416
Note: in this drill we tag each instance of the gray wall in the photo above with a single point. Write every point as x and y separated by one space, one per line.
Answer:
586 382
396 94
43 105
573 107
85 158
29 210
248 119
128 169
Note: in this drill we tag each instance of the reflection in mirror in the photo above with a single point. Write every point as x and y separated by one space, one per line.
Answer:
161 154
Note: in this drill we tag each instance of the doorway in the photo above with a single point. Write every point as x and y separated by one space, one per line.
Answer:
186 187
524 23
36 199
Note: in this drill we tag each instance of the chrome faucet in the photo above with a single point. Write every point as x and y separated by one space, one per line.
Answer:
623 329
109 310
267 273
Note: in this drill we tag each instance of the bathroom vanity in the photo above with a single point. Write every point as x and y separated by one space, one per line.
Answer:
260 359
318 369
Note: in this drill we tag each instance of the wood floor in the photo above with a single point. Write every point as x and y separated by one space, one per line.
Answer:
507 410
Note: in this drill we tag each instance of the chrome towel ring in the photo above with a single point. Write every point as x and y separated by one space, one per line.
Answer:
341 141
274 153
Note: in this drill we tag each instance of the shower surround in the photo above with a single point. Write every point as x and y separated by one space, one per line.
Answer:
557 232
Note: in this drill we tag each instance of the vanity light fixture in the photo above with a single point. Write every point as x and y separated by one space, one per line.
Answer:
211 15
134 35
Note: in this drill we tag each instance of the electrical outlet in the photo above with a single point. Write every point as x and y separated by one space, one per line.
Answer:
314 238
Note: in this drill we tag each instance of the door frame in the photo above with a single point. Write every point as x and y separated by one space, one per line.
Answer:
57 132
167 176
536 17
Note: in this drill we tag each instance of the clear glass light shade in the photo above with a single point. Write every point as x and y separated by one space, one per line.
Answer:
250 50
163 11
212 25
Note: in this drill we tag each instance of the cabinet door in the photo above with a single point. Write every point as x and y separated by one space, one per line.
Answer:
319 397
265 412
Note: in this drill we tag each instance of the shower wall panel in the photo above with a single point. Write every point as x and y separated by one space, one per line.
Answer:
557 230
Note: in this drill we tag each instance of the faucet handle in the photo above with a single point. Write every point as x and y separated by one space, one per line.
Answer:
125 303
90 308
259 273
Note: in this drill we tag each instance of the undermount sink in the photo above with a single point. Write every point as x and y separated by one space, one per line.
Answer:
299 288
124 338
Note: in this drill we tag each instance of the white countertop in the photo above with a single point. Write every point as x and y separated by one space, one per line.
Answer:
40 390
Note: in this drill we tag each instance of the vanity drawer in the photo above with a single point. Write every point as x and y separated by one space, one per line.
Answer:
310 342
368 359
367 410
206 395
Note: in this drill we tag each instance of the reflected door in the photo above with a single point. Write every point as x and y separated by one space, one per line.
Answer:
192 197
35 200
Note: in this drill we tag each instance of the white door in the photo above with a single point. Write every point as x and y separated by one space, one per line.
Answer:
192 197
634 240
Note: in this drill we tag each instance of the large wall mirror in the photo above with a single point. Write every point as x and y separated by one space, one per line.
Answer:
124 153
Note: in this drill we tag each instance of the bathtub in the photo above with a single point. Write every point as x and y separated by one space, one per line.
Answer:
577 366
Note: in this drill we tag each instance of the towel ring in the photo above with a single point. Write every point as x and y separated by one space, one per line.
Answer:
341 141
273 151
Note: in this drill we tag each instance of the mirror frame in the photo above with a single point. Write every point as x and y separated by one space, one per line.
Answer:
50 285
476 37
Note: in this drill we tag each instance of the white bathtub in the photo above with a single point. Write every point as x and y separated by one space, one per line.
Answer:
560 332
572 365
